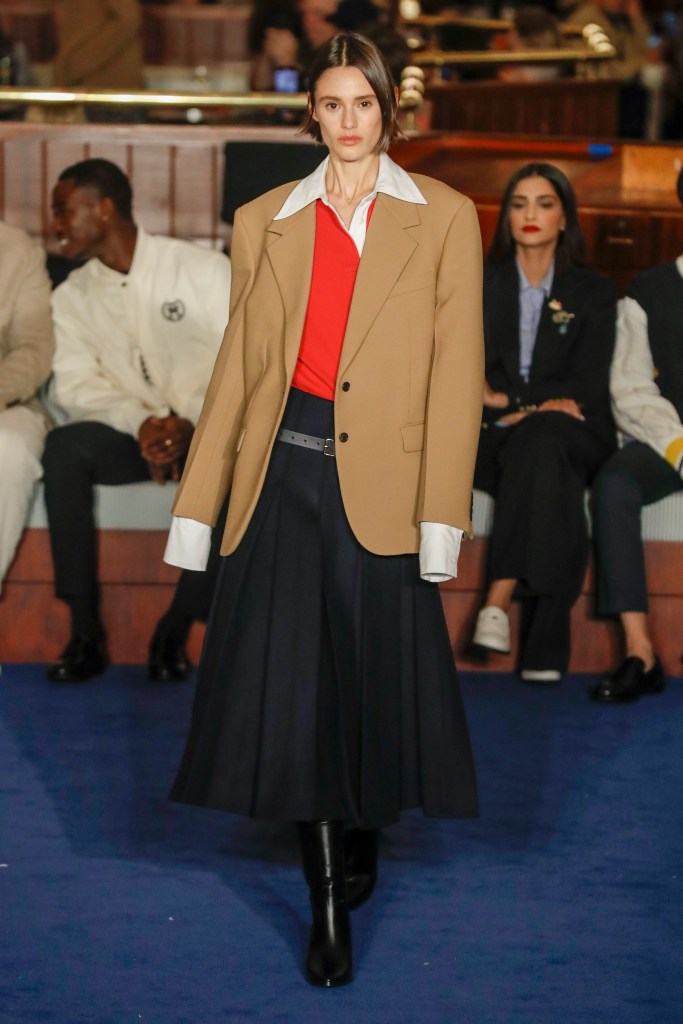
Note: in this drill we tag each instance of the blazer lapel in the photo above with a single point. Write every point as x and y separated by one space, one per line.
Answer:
551 342
388 247
291 256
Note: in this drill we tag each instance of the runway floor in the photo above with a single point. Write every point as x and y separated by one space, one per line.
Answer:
562 904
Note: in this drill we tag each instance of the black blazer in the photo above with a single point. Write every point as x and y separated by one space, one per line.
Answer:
566 364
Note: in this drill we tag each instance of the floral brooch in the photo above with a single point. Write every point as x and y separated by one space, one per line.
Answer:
560 316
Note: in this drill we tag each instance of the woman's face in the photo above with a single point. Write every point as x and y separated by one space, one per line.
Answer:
348 113
536 214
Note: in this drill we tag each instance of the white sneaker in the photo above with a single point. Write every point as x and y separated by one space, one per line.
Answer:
492 630
540 675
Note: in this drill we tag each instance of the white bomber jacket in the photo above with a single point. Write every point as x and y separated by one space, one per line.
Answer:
141 344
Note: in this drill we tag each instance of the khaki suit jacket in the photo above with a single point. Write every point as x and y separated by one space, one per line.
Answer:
99 44
408 401
26 337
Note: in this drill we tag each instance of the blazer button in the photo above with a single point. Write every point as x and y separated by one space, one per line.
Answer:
343 437
345 386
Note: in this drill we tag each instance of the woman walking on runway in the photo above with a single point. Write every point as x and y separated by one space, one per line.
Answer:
343 417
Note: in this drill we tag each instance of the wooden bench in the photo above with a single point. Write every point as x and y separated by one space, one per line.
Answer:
137 586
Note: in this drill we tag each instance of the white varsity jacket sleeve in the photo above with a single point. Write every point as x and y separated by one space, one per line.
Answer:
638 405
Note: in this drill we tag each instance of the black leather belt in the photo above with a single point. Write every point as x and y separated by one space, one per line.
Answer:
318 444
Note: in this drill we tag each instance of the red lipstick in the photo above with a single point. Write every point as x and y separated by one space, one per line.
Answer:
530 228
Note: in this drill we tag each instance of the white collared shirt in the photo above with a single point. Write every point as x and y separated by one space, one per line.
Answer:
392 180
189 541
531 299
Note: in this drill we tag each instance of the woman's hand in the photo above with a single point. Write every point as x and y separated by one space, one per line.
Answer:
495 399
512 419
565 405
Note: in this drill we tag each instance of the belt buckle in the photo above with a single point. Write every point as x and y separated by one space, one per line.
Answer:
328 447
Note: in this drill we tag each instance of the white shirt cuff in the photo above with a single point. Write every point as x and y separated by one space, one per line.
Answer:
439 550
188 544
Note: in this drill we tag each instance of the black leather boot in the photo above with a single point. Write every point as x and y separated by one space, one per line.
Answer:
328 961
360 857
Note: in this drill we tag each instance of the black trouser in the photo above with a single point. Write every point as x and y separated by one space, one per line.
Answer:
538 472
78 456
634 476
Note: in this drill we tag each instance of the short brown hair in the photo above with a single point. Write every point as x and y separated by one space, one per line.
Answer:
350 50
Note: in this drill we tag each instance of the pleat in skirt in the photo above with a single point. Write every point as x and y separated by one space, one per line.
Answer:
327 687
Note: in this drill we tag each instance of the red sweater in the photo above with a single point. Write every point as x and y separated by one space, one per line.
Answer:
335 265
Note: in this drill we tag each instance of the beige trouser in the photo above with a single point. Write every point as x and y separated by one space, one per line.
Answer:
22 436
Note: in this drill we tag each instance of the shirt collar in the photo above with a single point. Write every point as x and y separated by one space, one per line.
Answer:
546 284
391 179
679 265
139 256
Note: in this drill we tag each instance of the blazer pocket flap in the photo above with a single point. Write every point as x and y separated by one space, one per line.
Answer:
412 284
413 437
240 438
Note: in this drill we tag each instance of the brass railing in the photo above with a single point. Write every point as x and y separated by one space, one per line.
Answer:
142 98
18 95
480 24
439 58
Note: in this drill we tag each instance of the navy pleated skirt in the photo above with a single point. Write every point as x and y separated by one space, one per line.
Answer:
327 687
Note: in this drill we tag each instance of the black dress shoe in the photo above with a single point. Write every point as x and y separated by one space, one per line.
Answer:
82 658
168 661
360 860
629 682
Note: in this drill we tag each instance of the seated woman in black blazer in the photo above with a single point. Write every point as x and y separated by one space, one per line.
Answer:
549 328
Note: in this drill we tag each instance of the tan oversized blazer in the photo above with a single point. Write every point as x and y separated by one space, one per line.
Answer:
99 44
27 341
409 390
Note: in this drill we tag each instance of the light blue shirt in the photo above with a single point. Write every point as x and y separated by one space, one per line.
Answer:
531 299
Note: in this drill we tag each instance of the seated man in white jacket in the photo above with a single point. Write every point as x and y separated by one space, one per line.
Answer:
137 330
647 400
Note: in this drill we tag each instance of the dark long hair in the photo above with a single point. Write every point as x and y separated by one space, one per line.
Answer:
570 251
348 49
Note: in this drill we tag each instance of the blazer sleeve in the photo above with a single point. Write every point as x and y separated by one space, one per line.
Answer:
639 407
455 396
208 473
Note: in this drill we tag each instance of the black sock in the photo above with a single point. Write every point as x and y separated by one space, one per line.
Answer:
176 622
85 619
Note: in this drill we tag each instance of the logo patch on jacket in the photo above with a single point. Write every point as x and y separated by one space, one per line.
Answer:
174 310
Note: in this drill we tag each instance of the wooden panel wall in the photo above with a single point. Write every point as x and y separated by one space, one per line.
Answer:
171 34
31 22
195 35
558 108
176 172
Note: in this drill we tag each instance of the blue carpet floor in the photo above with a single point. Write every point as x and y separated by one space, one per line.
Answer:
560 905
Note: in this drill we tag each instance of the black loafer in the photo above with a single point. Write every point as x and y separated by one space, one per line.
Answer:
168 661
629 682
82 658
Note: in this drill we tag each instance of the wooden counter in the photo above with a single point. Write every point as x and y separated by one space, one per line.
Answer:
627 228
